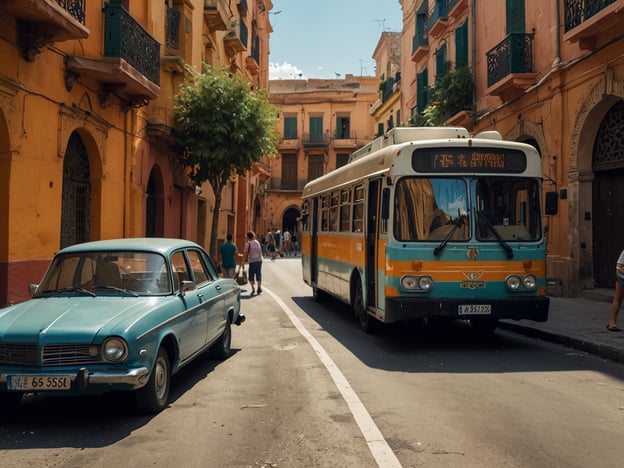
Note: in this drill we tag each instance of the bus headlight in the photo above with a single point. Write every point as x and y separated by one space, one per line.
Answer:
416 283
114 349
529 282
526 283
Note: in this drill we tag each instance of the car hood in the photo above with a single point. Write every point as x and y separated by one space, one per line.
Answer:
71 319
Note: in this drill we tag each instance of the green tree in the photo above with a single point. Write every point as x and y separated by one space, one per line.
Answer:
223 128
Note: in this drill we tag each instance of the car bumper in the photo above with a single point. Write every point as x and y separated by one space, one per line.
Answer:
530 308
85 381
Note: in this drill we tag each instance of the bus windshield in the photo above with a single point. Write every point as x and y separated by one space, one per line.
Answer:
427 209
446 209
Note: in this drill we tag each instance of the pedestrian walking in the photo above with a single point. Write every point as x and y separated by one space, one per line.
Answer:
227 257
270 240
619 293
253 255
287 246
278 240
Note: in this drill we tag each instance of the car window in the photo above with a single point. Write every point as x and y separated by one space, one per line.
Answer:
197 265
180 269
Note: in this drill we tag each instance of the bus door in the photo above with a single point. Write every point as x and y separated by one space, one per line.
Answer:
371 241
314 226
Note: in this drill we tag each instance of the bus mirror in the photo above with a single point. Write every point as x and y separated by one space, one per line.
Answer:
385 204
552 202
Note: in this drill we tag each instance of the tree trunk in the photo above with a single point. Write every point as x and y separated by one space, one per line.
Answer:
214 229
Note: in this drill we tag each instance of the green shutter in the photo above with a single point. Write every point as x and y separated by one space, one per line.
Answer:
421 90
441 61
290 127
515 16
461 45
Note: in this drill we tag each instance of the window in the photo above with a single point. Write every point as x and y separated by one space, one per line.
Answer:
421 90
341 159
358 209
315 166
343 127
325 213
431 209
380 129
345 210
333 210
441 61
461 45
316 129
199 269
289 171
290 128
515 16
305 216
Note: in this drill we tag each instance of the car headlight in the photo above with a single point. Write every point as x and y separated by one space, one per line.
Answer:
416 283
114 349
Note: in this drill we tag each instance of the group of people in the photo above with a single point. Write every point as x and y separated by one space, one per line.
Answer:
277 244
271 245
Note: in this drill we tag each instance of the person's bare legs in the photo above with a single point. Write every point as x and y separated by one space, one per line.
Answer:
616 304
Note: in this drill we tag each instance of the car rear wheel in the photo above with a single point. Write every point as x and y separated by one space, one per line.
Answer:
155 395
222 347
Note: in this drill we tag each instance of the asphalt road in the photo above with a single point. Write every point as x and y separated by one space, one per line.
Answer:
306 388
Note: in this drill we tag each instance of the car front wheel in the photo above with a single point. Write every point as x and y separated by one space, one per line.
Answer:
155 395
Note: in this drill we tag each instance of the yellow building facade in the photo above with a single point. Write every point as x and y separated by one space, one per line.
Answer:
387 108
86 118
550 74
321 122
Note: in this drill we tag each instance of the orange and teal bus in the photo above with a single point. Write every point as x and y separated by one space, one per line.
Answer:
427 223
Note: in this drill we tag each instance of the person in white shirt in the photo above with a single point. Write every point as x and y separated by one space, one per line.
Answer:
253 255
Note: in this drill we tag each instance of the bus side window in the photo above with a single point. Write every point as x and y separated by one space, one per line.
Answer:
325 213
333 211
345 210
358 209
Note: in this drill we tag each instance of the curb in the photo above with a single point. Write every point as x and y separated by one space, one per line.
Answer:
601 350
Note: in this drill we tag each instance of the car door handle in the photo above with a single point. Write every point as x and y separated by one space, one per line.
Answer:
218 288
200 296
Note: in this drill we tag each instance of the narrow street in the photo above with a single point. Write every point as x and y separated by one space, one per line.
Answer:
439 396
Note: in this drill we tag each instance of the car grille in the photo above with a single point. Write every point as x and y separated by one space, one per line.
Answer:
51 355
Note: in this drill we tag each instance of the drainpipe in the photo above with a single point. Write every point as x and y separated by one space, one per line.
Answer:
474 56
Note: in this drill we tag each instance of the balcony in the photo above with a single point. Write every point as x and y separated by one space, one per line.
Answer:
42 22
287 143
235 41
252 62
286 184
438 20
510 66
346 140
130 67
457 8
315 140
593 23
217 14
420 47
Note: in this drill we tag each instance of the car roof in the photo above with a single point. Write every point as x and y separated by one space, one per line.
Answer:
145 244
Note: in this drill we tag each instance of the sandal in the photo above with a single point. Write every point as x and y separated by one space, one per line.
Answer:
613 329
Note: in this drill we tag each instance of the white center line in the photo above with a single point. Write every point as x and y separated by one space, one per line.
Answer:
377 444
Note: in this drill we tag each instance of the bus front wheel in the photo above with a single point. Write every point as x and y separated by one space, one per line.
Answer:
368 323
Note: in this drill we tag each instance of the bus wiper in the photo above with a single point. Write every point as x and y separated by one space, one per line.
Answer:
457 223
500 239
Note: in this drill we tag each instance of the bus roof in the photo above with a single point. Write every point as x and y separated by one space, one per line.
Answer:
382 155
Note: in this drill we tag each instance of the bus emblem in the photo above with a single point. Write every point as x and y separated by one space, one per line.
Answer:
472 253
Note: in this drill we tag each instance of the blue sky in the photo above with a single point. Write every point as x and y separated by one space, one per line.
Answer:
328 38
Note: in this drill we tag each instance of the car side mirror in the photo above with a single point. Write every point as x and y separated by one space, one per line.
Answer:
187 286
32 288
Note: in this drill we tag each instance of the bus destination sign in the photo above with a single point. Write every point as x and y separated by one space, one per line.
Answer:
485 160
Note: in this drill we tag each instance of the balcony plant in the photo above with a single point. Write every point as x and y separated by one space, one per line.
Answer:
451 94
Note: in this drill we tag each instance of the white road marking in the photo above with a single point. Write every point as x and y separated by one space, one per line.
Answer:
377 444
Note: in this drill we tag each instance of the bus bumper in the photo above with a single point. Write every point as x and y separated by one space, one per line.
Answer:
529 308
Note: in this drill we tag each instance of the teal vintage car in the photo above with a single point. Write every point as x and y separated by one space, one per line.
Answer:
116 315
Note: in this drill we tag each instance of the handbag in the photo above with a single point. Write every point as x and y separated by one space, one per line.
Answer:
241 276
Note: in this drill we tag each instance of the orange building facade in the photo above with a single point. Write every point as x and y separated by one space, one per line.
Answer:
550 74
86 118
321 122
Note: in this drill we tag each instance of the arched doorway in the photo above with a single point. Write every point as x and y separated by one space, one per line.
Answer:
290 224
154 206
608 195
75 211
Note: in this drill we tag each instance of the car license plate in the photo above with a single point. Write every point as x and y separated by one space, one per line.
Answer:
38 382
475 309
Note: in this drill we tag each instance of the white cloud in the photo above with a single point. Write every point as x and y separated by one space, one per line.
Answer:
284 71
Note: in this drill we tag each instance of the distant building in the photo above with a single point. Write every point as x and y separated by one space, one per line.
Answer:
387 109
321 122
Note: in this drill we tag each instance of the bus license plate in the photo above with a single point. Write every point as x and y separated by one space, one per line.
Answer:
38 382
475 309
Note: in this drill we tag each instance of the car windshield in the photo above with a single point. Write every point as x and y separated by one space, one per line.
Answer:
119 272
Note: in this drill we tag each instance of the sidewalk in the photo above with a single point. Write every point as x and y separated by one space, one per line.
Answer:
578 323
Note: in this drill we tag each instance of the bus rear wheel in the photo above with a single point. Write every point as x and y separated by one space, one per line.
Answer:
367 323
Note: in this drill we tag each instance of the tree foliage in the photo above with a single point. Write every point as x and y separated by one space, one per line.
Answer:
223 127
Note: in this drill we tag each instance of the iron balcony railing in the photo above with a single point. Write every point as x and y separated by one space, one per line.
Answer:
125 38
282 183
314 140
173 28
76 8
439 12
514 54
577 11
